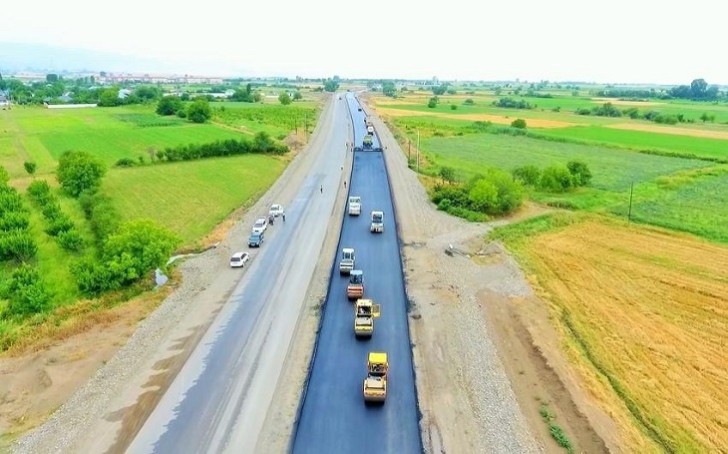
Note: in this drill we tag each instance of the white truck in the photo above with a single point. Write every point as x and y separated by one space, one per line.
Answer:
377 225
354 205
347 261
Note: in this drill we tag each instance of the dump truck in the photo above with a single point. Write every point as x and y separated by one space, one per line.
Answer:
354 205
365 312
375 385
377 225
370 126
355 289
347 261
368 141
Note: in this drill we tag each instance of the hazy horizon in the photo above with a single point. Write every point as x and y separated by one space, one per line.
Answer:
620 41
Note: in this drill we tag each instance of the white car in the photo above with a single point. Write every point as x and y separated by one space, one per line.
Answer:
239 259
260 225
275 210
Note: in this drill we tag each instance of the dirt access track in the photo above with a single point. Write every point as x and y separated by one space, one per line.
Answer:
481 378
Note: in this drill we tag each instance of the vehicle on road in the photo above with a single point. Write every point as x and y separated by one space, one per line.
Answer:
347 261
375 385
368 141
354 205
370 126
377 225
255 239
239 259
355 288
365 312
275 210
260 225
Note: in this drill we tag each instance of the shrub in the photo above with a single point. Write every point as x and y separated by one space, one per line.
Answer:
10 200
432 103
27 293
101 214
52 210
519 123
70 240
125 162
469 102
582 111
580 171
453 107
60 223
40 192
79 171
528 175
483 196
18 245
14 220
199 111
30 167
556 179
4 176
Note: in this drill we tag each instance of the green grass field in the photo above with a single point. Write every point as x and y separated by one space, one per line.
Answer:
190 198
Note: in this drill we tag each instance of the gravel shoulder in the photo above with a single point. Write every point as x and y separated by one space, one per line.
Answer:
485 357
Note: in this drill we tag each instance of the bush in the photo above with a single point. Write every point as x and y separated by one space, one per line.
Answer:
14 220
125 162
18 245
4 176
101 214
51 210
469 102
199 111
70 240
169 105
580 171
79 171
519 123
60 223
40 192
483 196
10 200
556 179
27 293
30 167
432 103
529 175
453 107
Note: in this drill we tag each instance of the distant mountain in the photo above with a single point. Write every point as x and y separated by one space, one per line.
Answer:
44 58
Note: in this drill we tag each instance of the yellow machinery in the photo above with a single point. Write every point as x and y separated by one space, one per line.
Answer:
365 312
375 385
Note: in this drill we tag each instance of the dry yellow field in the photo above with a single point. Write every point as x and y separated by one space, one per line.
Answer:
498 119
675 130
644 315
623 102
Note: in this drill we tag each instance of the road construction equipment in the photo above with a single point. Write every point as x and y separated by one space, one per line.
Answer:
355 289
347 261
365 311
375 385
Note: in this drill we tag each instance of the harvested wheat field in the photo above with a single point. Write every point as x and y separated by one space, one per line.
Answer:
645 317
498 119
678 131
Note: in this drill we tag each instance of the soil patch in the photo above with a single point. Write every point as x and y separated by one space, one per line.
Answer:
498 119
673 130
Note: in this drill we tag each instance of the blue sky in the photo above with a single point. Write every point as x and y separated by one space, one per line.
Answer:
641 41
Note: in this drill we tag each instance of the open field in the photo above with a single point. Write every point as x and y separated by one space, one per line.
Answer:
644 315
190 198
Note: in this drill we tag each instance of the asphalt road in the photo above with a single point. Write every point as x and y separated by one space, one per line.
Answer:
334 418
218 401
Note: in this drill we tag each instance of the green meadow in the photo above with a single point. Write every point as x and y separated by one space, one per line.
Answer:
676 182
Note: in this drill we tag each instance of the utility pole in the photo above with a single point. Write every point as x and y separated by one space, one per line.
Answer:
418 151
629 213
305 123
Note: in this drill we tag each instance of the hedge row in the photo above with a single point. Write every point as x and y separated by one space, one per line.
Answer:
58 224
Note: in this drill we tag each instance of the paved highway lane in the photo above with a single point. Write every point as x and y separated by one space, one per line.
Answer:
219 400
334 418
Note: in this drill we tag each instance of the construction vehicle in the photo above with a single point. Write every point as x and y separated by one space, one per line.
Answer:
355 289
347 261
377 225
375 385
364 314
354 205
368 141
370 126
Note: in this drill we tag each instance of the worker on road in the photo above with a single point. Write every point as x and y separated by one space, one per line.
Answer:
322 189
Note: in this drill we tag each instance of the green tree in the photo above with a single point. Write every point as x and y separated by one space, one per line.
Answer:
199 111
109 97
27 293
331 85
556 179
30 167
510 192
79 171
528 174
52 78
284 98
389 89
432 103
297 96
169 105
447 174
137 248
483 196
580 171
519 123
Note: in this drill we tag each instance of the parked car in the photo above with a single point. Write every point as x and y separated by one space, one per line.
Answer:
256 239
239 259
260 225
275 210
